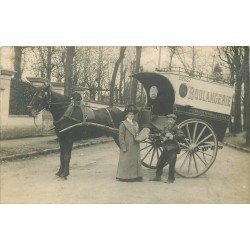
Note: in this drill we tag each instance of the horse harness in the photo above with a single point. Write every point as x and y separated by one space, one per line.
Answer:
111 119
86 112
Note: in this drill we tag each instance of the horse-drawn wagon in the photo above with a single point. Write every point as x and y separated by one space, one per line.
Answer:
202 106
203 109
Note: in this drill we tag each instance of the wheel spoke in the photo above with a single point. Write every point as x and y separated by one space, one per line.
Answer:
152 157
188 132
189 162
187 141
181 155
200 134
145 147
147 153
147 142
195 129
183 163
204 153
206 146
210 142
204 158
195 164
201 160
160 149
204 139
183 145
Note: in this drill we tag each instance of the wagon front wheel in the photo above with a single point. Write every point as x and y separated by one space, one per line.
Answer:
199 150
150 151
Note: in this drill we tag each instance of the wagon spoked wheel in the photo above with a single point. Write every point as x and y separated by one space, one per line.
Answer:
199 150
150 152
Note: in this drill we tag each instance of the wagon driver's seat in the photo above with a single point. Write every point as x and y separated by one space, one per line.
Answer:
160 94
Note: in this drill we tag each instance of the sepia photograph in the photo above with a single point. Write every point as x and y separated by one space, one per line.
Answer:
124 125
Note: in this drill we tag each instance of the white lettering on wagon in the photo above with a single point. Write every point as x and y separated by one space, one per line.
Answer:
207 96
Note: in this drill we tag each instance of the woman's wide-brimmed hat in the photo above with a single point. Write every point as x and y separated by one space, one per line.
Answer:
131 108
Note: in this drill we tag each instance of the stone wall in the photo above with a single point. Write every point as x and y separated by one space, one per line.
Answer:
15 126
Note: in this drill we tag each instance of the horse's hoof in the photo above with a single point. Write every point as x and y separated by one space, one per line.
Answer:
64 177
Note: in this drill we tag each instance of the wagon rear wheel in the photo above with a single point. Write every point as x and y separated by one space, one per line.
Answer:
150 153
199 150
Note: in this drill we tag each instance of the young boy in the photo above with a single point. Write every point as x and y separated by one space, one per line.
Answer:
171 135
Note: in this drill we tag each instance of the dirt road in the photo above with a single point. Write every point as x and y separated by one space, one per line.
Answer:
92 180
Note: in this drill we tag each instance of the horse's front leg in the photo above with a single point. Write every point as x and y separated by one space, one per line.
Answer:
62 152
67 157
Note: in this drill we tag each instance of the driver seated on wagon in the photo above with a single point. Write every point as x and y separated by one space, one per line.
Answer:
170 136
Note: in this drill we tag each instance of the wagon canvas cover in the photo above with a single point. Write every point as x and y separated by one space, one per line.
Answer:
184 90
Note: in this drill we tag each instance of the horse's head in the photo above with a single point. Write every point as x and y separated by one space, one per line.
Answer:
40 101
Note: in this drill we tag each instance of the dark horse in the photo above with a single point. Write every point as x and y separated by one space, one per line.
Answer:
57 104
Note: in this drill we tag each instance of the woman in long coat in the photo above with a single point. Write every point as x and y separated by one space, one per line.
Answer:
129 166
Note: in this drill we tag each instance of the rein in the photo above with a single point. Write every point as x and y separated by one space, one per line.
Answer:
59 103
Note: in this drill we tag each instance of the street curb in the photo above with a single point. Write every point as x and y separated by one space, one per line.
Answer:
52 150
237 147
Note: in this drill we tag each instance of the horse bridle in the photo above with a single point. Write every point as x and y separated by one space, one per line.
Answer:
46 104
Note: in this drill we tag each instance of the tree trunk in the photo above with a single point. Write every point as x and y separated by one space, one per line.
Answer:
49 66
137 68
159 57
237 117
172 50
69 70
17 62
99 73
193 59
170 61
247 89
238 83
121 81
246 84
132 70
112 83
125 94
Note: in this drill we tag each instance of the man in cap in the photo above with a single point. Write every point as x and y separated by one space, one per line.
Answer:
170 137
